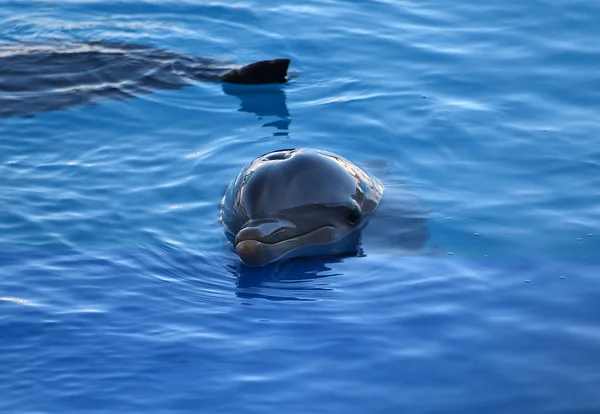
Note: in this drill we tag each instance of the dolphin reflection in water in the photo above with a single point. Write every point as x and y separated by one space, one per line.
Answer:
38 78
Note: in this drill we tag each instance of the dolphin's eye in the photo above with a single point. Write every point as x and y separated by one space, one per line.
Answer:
354 216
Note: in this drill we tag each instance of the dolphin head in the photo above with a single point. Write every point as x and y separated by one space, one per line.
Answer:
298 202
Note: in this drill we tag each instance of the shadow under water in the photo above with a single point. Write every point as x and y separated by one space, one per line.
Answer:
37 78
400 223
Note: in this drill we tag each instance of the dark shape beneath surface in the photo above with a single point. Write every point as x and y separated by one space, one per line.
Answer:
46 77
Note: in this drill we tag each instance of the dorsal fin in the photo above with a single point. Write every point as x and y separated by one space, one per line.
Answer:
259 73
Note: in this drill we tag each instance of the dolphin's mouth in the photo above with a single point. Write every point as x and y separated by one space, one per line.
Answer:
254 252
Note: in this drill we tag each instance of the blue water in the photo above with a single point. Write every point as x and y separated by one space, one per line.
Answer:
118 293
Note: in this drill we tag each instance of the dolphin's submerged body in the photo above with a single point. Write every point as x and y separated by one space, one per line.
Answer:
45 77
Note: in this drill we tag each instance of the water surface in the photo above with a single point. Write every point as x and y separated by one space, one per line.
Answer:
119 295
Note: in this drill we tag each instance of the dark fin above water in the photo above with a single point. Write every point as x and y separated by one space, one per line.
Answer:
259 73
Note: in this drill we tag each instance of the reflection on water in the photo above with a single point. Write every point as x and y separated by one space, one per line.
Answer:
263 101
290 280
194 275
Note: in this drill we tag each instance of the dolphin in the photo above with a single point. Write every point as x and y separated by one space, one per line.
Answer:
298 202
46 77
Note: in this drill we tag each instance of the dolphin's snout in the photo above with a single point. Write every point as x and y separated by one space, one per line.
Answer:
257 252
266 231
250 252
257 242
